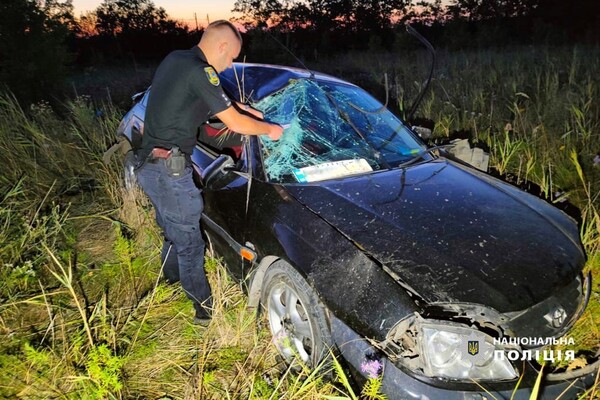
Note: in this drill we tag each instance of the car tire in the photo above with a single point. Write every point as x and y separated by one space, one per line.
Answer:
296 317
129 178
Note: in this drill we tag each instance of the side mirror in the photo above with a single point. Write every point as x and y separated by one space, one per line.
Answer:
217 172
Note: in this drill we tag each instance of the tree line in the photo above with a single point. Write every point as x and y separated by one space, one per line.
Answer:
41 41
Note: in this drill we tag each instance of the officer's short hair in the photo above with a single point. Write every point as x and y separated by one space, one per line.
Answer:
222 22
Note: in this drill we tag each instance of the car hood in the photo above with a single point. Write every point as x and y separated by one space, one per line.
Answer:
453 234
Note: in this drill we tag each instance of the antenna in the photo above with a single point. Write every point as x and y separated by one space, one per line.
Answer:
312 74
431 51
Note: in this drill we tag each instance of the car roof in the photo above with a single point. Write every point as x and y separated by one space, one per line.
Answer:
261 80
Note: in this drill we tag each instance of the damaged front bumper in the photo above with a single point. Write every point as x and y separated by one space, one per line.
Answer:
401 383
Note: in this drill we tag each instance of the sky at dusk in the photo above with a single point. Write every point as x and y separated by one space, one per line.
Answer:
178 9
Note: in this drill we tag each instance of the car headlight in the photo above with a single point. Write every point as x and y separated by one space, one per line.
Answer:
444 349
458 352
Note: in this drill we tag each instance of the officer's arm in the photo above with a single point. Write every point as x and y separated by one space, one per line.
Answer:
249 110
244 124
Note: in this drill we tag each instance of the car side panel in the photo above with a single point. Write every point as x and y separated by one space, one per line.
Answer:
349 283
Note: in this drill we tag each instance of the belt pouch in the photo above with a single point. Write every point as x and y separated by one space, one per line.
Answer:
176 163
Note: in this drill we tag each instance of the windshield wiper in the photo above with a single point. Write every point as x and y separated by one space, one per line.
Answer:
420 155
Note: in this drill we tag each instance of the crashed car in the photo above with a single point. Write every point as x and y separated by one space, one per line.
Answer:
408 263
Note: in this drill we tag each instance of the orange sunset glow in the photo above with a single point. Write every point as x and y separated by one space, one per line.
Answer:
186 11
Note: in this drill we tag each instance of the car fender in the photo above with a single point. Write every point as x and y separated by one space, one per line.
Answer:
256 280
348 282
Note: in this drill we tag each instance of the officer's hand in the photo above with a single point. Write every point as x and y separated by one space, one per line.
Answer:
275 131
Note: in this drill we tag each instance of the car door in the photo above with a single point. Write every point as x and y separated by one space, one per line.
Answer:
225 182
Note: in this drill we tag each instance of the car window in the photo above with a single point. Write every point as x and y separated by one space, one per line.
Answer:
332 130
213 141
215 137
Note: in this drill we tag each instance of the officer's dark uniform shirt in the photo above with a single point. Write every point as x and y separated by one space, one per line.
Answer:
185 92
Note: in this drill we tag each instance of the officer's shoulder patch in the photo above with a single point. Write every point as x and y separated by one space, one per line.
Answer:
212 76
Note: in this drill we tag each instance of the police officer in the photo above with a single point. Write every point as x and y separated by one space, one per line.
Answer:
185 92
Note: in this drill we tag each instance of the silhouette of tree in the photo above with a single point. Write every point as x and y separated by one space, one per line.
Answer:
474 10
33 46
127 29
114 17
313 27
260 12
322 15
579 20
87 25
427 13
509 22
376 14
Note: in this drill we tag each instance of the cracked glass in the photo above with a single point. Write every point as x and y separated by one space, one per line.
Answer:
334 127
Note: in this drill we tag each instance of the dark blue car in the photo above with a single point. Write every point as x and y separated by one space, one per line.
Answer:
354 236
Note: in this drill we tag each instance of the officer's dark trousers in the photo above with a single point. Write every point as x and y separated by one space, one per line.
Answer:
178 205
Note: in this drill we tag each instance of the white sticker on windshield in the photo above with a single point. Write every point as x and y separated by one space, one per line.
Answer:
332 170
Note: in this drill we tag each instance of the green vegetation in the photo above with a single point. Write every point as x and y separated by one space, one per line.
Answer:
83 311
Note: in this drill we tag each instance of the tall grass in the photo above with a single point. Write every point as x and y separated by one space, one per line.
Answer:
83 310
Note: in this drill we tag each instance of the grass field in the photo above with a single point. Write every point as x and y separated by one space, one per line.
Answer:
83 312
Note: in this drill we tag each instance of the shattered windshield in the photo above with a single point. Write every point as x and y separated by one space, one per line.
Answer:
332 130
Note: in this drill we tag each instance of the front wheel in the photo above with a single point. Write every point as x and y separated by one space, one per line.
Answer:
296 316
